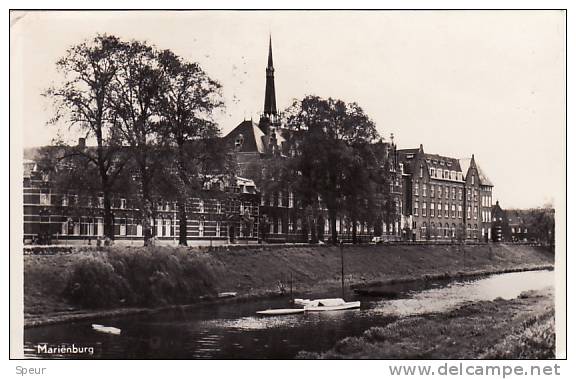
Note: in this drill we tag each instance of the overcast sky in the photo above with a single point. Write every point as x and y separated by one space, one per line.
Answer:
490 83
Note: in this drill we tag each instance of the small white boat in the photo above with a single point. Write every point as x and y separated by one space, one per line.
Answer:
341 307
279 312
337 304
106 329
302 302
223 295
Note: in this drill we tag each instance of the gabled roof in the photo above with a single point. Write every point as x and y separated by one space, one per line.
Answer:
465 164
252 137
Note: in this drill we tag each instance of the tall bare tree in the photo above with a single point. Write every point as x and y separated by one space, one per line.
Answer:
81 101
134 91
186 102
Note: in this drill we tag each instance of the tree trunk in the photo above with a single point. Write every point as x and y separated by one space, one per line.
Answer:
183 221
332 215
146 207
108 217
313 231
354 232
182 196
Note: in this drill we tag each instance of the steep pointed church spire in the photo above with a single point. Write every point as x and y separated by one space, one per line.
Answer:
270 95
270 63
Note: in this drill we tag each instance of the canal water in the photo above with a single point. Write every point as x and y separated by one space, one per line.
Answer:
234 331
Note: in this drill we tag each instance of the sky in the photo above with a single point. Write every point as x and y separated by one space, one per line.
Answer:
488 83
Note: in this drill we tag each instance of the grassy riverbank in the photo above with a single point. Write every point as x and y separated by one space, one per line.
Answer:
521 328
132 279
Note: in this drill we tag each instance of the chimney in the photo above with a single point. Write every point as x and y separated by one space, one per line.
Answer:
81 142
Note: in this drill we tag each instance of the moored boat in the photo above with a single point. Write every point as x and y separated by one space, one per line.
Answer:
279 312
323 307
106 329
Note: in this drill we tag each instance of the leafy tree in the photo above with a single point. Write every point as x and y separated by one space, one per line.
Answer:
329 135
185 103
81 101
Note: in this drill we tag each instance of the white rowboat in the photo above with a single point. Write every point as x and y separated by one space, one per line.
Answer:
106 329
340 307
278 312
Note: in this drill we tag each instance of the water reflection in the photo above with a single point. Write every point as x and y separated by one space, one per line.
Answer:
234 331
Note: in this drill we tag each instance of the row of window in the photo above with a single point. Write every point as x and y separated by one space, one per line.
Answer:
279 199
127 227
438 173
436 210
486 215
487 201
68 200
437 191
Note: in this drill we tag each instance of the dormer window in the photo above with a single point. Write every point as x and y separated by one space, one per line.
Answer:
239 141
472 178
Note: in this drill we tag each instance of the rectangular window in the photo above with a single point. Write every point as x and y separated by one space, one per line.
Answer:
475 213
217 228
431 209
280 226
218 207
453 193
447 192
122 203
424 187
201 228
468 211
453 211
459 211
280 199
168 226
432 190
416 189
446 214
123 228
262 199
291 200
44 199
459 193
201 206
159 227
416 208
424 209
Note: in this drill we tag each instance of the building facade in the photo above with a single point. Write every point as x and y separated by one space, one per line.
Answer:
52 217
430 197
445 198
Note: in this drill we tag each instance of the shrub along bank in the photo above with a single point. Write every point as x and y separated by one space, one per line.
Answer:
151 277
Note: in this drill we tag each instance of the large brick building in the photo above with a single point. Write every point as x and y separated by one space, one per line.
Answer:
444 198
258 145
430 197
53 217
